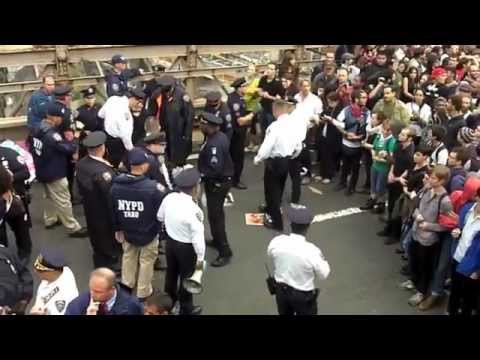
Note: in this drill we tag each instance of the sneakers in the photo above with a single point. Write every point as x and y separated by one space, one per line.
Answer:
430 302
326 181
55 224
80 233
369 205
229 200
408 285
318 178
416 299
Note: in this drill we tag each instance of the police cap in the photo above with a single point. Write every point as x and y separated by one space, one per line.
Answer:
55 109
50 260
62 90
118 59
154 138
211 118
166 81
139 94
137 156
187 178
95 139
213 96
89 92
299 214
239 83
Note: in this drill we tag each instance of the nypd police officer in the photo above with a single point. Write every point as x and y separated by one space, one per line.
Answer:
241 120
51 154
185 248
215 165
136 200
297 265
94 176
217 107
173 109
86 117
117 79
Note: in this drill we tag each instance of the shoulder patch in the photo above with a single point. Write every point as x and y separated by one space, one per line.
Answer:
236 107
60 305
21 160
186 98
107 177
57 137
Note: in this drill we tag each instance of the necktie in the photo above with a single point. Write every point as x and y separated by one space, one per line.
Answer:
102 309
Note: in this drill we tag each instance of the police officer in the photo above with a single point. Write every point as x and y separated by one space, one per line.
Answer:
241 120
51 154
86 117
278 147
118 123
173 108
117 79
217 107
12 211
37 105
63 97
57 287
16 283
136 200
215 165
94 176
185 248
297 264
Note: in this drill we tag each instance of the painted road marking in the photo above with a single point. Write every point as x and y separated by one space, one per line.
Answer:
336 214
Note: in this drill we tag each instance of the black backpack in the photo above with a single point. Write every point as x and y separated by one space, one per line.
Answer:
16 282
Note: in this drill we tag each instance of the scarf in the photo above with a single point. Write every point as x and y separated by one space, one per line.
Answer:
357 111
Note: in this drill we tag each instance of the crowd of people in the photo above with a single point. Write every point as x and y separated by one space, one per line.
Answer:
408 116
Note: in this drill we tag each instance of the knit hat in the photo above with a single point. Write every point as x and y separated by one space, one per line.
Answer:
466 135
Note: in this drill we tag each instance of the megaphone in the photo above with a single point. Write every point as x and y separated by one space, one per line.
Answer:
194 283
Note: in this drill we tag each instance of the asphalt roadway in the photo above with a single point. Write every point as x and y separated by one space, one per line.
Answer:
365 274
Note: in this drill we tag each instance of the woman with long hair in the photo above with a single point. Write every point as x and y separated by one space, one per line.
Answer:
410 83
289 67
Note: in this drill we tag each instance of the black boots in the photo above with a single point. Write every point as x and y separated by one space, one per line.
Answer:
369 205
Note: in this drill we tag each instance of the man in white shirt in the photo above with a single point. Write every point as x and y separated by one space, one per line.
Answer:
57 287
118 124
185 250
277 148
307 111
297 263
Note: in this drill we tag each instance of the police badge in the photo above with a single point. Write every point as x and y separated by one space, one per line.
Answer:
60 305
186 98
115 87
107 177
236 107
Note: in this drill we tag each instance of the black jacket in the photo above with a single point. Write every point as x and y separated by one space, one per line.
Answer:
16 282
10 160
453 126
214 160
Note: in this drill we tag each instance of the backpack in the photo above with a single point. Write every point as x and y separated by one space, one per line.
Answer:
16 282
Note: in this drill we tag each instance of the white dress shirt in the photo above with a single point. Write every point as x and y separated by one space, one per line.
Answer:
183 221
56 296
307 108
424 112
118 119
297 262
279 141
471 228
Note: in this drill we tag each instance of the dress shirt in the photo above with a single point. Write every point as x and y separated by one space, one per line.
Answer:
118 119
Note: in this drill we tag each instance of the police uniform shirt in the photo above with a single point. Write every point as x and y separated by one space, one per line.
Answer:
238 109
55 296
118 119
214 160
222 112
15 163
279 142
183 221
297 262
67 118
307 107
88 116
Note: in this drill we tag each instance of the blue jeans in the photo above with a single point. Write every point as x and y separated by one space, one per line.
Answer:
378 183
444 264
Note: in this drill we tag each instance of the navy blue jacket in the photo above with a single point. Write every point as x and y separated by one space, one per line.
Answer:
214 160
51 153
125 304
136 200
117 84
37 108
222 112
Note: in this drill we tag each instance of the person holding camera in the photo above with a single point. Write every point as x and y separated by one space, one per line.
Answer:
297 264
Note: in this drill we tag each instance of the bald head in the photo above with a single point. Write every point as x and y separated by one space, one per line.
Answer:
102 284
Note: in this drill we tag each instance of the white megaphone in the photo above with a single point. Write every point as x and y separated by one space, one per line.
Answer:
194 283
